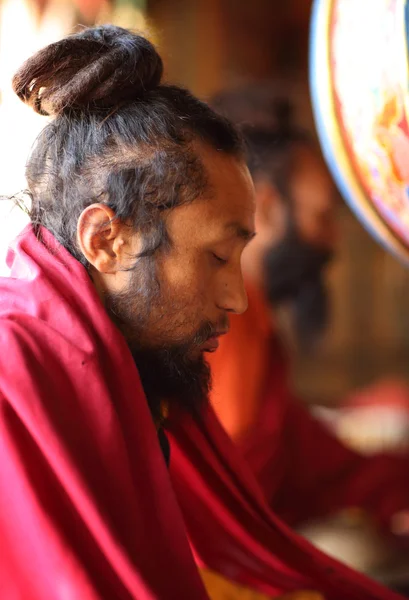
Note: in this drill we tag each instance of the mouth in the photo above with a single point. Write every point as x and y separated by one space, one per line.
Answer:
212 344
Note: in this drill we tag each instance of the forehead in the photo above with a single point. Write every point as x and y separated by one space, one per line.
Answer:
227 203
231 192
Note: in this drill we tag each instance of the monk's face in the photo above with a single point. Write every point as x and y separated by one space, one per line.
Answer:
296 236
295 265
315 200
173 307
197 280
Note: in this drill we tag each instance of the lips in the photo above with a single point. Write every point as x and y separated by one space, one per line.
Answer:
211 344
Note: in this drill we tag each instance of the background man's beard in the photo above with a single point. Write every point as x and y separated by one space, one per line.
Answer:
294 275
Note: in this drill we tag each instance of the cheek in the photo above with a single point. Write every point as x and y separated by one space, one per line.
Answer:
181 278
184 286
187 275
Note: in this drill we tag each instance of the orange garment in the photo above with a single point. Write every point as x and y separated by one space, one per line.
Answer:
303 468
240 367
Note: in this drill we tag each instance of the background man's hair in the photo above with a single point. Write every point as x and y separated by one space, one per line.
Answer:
266 118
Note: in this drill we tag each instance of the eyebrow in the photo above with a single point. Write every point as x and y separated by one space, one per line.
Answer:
241 232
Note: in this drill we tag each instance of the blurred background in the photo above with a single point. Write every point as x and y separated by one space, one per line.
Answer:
208 46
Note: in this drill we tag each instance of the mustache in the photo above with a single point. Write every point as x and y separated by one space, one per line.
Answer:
209 330
292 265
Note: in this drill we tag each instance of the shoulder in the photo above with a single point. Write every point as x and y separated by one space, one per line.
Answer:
23 334
32 355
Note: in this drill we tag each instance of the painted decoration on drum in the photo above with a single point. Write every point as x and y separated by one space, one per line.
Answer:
360 88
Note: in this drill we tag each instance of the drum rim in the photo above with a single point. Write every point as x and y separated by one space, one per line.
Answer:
331 139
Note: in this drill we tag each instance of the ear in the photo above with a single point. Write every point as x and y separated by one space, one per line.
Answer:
107 243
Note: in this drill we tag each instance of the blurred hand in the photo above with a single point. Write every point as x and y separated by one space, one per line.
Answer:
399 527
400 523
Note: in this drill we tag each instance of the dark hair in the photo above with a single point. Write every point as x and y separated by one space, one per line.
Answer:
118 135
266 119
272 153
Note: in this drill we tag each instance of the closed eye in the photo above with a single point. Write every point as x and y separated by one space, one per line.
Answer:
219 259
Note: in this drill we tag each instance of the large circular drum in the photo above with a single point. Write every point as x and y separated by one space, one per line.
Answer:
360 88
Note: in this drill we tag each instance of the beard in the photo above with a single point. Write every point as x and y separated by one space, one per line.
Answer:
294 276
172 371
172 374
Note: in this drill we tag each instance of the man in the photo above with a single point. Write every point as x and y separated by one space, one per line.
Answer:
304 470
141 207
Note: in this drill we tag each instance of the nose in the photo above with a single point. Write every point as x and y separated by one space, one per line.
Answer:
233 295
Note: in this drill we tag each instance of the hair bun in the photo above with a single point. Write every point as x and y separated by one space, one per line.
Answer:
97 68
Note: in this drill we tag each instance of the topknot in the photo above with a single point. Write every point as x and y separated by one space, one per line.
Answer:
96 69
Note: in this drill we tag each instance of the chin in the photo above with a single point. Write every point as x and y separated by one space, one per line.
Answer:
195 355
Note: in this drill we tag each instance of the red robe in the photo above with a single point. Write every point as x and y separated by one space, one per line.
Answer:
87 508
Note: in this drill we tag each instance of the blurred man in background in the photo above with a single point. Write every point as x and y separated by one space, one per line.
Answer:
304 470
